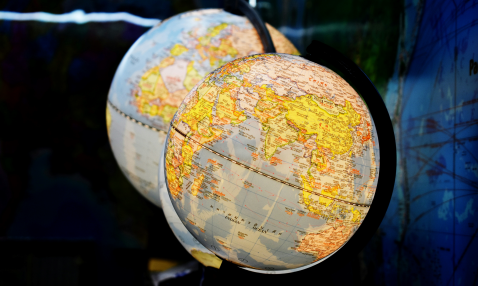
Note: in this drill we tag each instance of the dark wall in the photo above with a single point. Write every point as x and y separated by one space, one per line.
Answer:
65 206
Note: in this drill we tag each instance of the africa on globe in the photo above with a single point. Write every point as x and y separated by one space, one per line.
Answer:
272 163
158 72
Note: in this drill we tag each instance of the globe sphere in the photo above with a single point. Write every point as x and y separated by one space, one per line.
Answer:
157 73
272 162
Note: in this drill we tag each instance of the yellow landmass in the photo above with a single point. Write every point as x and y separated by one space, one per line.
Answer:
167 112
266 113
224 49
154 110
279 134
268 106
178 49
216 133
166 62
318 160
232 81
174 182
152 87
206 259
148 80
324 201
333 131
212 32
216 53
356 215
197 184
265 104
331 192
145 108
308 187
108 120
306 194
202 110
208 91
187 153
192 77
226 108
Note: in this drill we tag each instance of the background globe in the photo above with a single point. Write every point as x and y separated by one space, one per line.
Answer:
157 73
272 162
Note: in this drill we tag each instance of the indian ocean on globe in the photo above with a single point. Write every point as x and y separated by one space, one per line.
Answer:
272 162
158 72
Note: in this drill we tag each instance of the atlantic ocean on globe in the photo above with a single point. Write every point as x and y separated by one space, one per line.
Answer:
158 72
272 162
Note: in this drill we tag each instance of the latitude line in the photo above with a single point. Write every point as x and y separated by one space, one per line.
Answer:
134 120
266 175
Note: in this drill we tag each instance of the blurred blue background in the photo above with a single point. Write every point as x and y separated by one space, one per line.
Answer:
68 214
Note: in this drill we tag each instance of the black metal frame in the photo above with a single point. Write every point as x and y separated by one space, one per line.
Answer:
241 7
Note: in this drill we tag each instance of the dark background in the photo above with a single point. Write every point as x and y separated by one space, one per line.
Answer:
69 217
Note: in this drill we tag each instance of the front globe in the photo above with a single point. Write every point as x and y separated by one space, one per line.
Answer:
158 72
272 162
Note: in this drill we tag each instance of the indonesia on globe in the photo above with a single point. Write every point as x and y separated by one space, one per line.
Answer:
158 72
272 162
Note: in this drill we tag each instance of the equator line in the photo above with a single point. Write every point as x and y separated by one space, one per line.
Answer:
266 175
134 120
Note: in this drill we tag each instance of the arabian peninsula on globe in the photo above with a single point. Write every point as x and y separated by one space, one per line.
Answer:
158 72
272 162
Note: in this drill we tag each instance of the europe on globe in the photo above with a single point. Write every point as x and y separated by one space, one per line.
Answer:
158 72
272 162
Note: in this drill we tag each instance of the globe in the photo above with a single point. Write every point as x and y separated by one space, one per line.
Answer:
272 162
157 73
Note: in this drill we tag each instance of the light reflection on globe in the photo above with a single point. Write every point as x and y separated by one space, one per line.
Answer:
158 72
271 162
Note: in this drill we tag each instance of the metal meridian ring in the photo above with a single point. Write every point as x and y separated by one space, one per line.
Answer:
266 175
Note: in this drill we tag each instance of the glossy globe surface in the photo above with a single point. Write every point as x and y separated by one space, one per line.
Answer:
158 72
272 161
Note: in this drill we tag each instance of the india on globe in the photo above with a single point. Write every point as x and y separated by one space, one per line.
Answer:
158 72
272 162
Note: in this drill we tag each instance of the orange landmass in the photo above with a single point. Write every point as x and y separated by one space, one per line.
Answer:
326 242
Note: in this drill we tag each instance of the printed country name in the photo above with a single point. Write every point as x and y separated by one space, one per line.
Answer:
233 220
261 229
